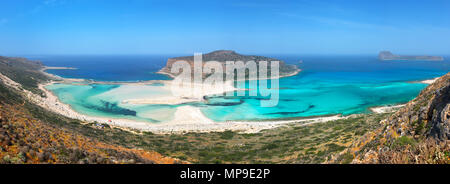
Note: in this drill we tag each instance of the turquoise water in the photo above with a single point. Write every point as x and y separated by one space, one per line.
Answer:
301 97
327 85
106 101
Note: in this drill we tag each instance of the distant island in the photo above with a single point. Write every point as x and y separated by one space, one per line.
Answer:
228 55
387 55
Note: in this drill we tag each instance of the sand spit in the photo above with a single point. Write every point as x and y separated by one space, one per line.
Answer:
186 118
58 68
430 81
386 109
184 95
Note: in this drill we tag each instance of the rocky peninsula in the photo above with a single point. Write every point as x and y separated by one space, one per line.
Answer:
222 56
387 55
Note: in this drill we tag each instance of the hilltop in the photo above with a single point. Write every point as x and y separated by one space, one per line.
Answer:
417 133
386 55
228 55
23 71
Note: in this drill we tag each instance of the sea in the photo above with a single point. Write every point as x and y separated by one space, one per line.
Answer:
327 85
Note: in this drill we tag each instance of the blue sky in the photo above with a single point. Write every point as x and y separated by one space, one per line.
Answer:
264 27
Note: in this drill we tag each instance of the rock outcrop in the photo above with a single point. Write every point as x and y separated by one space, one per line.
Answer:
417 133
386 55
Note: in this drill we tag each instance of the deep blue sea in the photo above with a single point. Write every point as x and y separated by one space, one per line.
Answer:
327 85
108 68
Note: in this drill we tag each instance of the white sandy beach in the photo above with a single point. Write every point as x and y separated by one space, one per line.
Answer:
429 81
186 118
183 95
386 109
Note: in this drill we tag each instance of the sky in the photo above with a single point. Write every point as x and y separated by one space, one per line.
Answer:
260 27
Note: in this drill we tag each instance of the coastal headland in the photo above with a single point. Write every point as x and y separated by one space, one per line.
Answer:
186 118
224 56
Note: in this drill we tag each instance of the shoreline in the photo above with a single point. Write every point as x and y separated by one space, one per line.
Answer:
184 95
186 119
386 108
394 107
428 81
58 68
266 78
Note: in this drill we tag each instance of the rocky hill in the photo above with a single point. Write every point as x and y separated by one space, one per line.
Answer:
30 134
24 139
227 55
417 133
23 71
386 55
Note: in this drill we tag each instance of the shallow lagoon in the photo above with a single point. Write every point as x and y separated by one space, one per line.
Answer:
327 85
102 100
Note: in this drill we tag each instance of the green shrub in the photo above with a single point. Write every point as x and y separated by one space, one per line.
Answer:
332 147
227 134
270 146
403 141
346 158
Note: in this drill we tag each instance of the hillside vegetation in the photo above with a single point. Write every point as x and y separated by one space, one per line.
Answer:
30 134
417 133
290 144
23 71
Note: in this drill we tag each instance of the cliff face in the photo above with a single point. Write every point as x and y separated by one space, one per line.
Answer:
417 133
386 55
227 55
